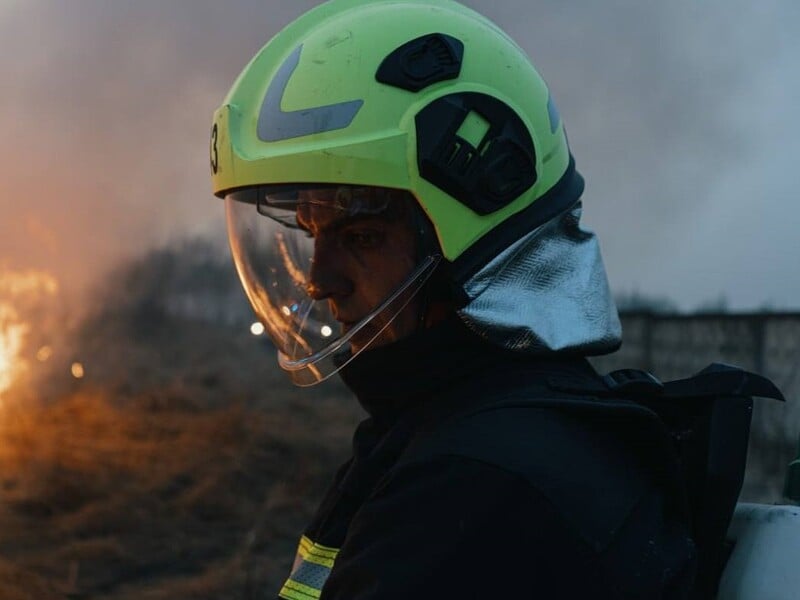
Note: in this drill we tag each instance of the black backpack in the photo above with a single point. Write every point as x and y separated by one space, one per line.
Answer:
708 418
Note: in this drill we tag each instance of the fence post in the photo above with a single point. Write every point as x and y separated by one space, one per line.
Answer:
647 341
759 328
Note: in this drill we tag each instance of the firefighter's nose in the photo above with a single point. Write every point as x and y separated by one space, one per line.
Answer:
326 278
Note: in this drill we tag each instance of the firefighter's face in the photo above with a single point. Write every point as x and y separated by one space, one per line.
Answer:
359 261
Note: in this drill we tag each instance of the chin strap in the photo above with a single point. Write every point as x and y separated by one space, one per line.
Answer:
426 244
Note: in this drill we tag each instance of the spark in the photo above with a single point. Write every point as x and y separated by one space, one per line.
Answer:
77 370
257 328
326 331
44 353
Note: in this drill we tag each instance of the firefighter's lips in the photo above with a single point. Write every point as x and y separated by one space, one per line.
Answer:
348 326
346 322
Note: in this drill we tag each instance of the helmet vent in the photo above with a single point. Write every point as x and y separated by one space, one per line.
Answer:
422 62
476 149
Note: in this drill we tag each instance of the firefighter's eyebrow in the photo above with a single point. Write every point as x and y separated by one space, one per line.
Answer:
302 226
301 223
336 224
343 222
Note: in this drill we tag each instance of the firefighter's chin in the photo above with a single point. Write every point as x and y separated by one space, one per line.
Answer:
371 335
383 330
362 338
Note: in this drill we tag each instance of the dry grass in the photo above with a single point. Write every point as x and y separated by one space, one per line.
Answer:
183 466
146 488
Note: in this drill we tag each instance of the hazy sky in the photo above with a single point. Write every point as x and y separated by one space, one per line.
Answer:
681 115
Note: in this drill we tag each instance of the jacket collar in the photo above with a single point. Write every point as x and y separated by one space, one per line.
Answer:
392 379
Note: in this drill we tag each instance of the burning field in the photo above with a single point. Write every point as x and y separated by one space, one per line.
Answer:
151 450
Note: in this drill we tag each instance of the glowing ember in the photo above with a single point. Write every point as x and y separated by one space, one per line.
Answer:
77 370
257 328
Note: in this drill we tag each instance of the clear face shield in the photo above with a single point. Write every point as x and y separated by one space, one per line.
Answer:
330 270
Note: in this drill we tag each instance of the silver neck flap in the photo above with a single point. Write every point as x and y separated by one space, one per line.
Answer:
546 293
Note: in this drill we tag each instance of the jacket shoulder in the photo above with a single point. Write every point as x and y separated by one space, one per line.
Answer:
581 461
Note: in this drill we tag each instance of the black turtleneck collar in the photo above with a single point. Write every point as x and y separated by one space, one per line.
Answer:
391 379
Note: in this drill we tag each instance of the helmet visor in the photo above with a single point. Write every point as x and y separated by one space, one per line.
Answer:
329 269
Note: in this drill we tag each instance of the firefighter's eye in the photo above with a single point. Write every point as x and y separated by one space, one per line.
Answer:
362 238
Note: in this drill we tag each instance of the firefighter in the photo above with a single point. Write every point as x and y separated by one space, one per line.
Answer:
404 211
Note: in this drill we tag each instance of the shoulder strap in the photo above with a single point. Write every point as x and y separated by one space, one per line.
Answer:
708 416
717 379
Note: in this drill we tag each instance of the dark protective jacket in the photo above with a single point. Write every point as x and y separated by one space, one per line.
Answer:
473 477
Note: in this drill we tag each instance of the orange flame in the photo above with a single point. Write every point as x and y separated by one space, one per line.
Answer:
18 290
12 336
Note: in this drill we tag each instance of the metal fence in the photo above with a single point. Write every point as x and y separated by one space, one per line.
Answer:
673 346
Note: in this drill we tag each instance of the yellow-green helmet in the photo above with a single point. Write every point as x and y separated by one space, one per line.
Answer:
370 106
425 96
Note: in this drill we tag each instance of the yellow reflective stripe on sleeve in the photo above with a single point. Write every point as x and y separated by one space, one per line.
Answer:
317 554
309 546
297 591
312 566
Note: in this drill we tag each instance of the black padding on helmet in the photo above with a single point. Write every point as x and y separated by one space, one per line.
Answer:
422 62
485 178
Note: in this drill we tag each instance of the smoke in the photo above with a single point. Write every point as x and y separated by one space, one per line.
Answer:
681 116
106 124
